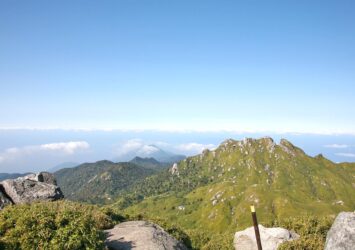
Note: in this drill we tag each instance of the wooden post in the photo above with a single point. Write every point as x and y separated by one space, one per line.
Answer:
256 227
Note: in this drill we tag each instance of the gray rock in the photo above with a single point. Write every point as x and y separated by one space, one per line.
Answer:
4 199
341 235
141 235
45 177
24 190
271 238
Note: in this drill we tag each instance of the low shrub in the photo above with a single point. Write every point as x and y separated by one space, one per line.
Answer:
53 225
312 230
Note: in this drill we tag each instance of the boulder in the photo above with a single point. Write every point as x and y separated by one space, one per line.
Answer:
140 235
271 238
33 187
341 235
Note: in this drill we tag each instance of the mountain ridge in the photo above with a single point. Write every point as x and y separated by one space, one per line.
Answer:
215 188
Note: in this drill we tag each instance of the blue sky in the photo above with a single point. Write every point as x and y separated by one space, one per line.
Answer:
186 74
202 65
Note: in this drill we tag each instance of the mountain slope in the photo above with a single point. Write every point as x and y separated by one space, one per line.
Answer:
99 182
213 190
149 163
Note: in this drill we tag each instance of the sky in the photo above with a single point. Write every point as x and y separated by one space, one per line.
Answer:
264 67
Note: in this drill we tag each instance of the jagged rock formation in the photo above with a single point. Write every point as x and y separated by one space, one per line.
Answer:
141 235
341 235
32 187
271 238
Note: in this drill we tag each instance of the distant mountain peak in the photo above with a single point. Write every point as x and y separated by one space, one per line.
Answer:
144 159
151 151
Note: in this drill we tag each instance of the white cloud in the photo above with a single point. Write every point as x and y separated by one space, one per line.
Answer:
161 144
129 146
336 146
351 155
66 147
194 147
137 146
147 150
60 148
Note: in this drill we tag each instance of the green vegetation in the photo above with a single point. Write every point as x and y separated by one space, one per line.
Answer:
312 230
70 225
54 225
208 195
213 191
149 163
205 199
99 182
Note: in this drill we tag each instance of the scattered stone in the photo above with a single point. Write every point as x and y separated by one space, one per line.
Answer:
271 238
181 207
341 203
141 235
341 235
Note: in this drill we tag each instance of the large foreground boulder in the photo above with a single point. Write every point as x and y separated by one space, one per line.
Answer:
271 238
141 235
341 235
33 187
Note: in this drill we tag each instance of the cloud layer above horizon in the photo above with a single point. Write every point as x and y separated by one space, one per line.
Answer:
34 150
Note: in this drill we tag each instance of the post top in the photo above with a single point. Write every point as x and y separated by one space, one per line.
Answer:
252 208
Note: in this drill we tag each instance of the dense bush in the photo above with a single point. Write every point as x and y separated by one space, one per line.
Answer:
53 225
312 229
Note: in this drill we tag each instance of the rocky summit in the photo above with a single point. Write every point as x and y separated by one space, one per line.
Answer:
32 187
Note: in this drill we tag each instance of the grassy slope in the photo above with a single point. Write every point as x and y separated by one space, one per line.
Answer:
280 180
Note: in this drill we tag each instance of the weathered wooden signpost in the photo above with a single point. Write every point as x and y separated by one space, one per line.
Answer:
256 227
